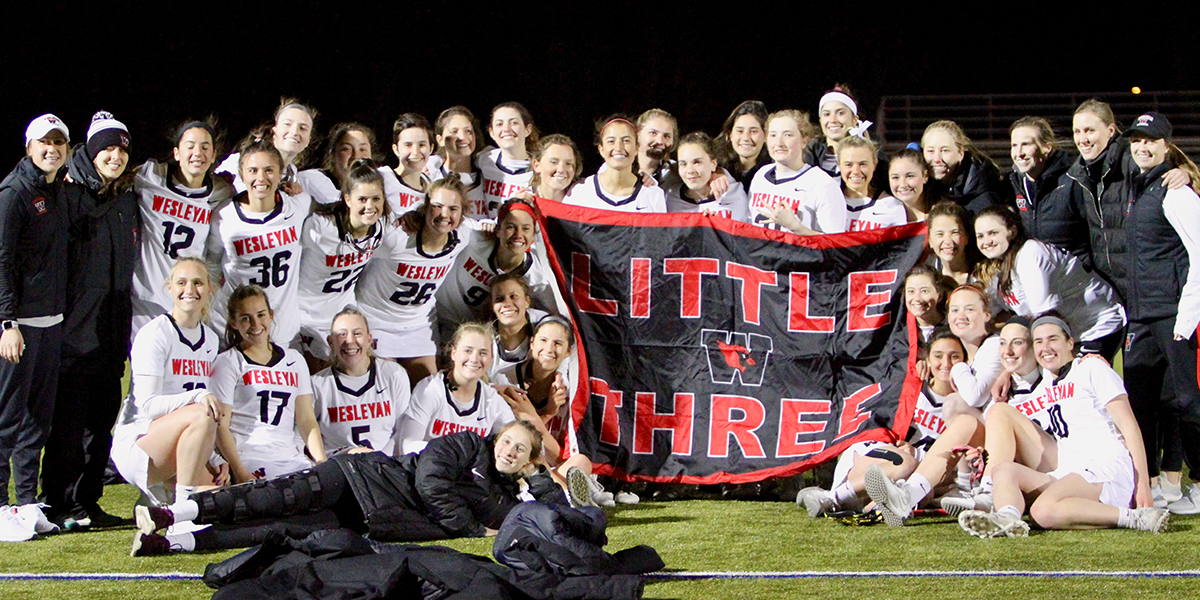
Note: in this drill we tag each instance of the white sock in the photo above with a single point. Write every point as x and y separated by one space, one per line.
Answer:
985 485
844 493
182 542
185 510
918 487
1009 510
1125 518
963 481
183 491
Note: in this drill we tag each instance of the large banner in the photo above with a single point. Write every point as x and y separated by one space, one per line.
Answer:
717 351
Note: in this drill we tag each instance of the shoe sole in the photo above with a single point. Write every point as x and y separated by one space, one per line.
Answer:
145 522
579 488
877 490
977 523
137 543
1160 525
955 508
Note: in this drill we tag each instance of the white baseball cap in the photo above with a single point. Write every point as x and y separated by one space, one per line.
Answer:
39 127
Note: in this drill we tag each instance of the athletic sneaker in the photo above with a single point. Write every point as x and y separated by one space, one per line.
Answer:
32 517
893 501
989 524
815 500
1189 504
1152 519
152 518
624 497
955 504
96 517
11 527
149 544
599 495
579 489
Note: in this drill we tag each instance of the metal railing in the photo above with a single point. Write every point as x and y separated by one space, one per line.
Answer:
986 117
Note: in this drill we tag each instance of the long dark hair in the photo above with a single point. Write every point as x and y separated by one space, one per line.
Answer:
1001 268
363 171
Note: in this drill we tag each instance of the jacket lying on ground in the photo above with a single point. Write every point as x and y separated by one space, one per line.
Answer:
340 564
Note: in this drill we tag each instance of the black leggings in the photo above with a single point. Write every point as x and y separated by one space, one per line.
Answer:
296 505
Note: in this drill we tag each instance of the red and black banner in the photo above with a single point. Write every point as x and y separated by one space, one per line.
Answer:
719 351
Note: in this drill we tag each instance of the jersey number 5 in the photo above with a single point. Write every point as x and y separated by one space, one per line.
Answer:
264 399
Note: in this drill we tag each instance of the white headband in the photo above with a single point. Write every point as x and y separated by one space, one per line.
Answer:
838 97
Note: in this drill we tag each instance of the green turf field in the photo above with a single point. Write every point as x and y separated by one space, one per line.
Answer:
725 536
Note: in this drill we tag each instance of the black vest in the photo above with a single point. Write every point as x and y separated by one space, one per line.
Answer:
1158 261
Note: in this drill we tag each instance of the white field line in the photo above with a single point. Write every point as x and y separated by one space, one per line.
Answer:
178 575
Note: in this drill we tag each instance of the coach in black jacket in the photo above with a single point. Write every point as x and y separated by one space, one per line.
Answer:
1049 201
33 251
101 250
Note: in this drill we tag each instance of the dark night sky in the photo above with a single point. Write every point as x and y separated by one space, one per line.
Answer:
153 67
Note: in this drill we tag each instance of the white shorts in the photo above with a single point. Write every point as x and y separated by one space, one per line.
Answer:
132 462
1114 471
393 342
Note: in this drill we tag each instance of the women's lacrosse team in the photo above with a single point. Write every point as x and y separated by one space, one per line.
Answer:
338 342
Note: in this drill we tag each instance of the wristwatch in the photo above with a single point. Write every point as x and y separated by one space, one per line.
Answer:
8 324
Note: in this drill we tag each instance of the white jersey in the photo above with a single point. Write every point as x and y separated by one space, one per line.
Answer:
503 358
501 178
561 426
811 193
230 166
329 268
321 185
1076 409
263 249
927 421
1045 278
476 202
974 380
400 197
589 194
433 413
734 204
865 214
181 360
466 294
1027 397
264 406
175 223
361 411
398 286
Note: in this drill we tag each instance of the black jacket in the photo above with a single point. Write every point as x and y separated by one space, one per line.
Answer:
1158 261
33 243
101 249
977 185
450 489
1052 207
1103 200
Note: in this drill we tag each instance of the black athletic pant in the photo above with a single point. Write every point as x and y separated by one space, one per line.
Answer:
1151 352
77 451
27 391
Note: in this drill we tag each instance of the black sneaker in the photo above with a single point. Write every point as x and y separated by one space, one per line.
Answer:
96 517
149 544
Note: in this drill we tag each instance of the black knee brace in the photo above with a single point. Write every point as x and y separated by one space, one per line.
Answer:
292 494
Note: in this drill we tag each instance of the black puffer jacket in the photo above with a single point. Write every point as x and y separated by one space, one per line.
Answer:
1103 200
1052 207
450 489
33 243
977 186
101 248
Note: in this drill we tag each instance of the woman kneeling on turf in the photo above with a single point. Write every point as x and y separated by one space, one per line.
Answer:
1101 459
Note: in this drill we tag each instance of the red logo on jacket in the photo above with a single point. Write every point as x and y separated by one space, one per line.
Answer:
39 204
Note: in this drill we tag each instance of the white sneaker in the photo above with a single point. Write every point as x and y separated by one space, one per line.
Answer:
11 527
599 495
955 505
32 517
893 501
1152 519
1189 502
1156 492
1171 492
627 498
815 500
989 524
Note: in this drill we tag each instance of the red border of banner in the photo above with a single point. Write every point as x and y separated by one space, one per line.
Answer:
591 216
